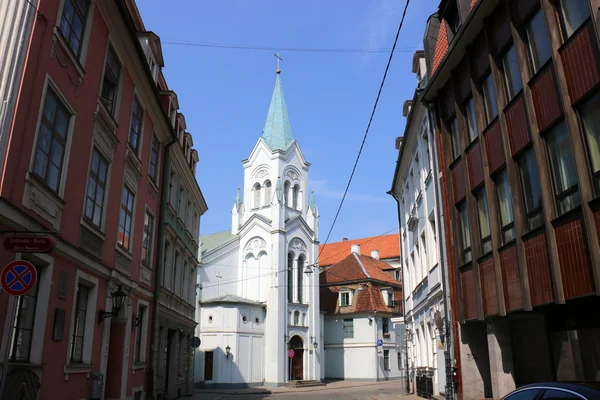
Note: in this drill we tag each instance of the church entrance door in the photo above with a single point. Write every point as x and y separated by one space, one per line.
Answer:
297 361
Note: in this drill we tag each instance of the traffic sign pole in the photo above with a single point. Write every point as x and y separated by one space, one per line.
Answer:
6 347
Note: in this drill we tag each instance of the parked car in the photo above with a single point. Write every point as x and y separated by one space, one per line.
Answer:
556 391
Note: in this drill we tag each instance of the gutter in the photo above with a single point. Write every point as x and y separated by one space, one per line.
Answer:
159 268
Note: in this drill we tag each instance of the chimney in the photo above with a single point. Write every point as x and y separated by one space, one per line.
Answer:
356 248
344 239
375 254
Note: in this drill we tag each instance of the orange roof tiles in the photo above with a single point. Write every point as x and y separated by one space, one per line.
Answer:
388 246
357 267
441 47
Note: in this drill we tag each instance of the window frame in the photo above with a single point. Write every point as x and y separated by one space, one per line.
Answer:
588 132
90 322
290 277
84 15
74 333
148 238
455 141
465 233
114 102
486 241
141 333
489 98
470 116
386 360
65 142
572 192
137 114
508 229
128 213
346 303
536 64
558 4
534 214
348 328
16 328
510 91
94 175
154 163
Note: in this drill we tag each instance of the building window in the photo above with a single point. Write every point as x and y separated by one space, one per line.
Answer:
399 358
296 193
348 328
180 204
154 153
94 201
137 120
297 318
140 349
562 166
257 195
385 326
512 73
125 218
110 82
386 360
483 214
397 274
505 207
465 233
490 103
72 23
267 193
300 270
172 188
290 276
452 16
78 335
175 268
455 138
572 15
471 119
23 327
345 299
530 183
286 193
538 43
51 142
390 299
591 127
147 238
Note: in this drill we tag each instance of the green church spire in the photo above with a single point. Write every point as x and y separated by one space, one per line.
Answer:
277 133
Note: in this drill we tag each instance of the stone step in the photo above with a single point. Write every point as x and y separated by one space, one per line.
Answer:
307 383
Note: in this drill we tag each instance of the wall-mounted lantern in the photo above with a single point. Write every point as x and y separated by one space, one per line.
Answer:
118 298
227 351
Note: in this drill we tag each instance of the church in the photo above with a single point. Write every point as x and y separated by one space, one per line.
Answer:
258 315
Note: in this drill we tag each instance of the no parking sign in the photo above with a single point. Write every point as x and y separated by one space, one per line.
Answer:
18 277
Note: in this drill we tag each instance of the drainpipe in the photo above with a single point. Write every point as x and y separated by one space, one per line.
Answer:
159 265
376 347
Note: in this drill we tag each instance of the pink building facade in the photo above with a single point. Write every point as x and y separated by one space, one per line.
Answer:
84 162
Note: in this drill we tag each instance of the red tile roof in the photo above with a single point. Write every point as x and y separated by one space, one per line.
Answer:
365 300
357 267
441 47
388 246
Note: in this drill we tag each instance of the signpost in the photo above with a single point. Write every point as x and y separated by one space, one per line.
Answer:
17 279
379 342
29 244
290 353
195 342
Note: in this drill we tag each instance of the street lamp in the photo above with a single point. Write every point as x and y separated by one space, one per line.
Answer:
314 342
118 298
227 351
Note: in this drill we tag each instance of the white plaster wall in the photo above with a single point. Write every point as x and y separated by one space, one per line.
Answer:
225 264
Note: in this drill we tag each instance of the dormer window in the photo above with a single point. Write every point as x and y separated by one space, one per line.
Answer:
452 17
388 297
345 297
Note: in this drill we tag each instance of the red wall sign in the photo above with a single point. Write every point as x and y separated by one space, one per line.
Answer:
29 244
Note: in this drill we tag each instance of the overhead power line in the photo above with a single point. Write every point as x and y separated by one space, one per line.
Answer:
287 49
387 67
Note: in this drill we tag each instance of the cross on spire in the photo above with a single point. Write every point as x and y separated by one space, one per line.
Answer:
278 60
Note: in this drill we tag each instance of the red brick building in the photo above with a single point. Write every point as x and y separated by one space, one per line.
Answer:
84 162
514 88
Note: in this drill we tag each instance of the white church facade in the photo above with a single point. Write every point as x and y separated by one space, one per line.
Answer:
258 316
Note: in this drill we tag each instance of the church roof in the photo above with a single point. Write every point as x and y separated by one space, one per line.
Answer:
388 246
214 240
230 298
277 132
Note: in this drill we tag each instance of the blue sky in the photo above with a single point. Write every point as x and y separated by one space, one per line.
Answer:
225 93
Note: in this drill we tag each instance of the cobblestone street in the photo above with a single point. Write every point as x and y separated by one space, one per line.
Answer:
367 391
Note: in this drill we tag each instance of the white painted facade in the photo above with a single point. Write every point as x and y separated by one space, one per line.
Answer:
359 357
416 189
274 221
16 19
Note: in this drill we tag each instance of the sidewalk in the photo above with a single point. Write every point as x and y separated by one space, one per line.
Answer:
396 397
328 386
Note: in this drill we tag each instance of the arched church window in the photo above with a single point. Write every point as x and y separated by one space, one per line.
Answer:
296 194
303 319
290 284
300 278
267 193
257 195
297 318
286 193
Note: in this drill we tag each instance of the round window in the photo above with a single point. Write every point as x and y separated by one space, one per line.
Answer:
257 320
210 319
244 319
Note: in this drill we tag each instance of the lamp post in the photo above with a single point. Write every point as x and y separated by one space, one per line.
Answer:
227 351
118 298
